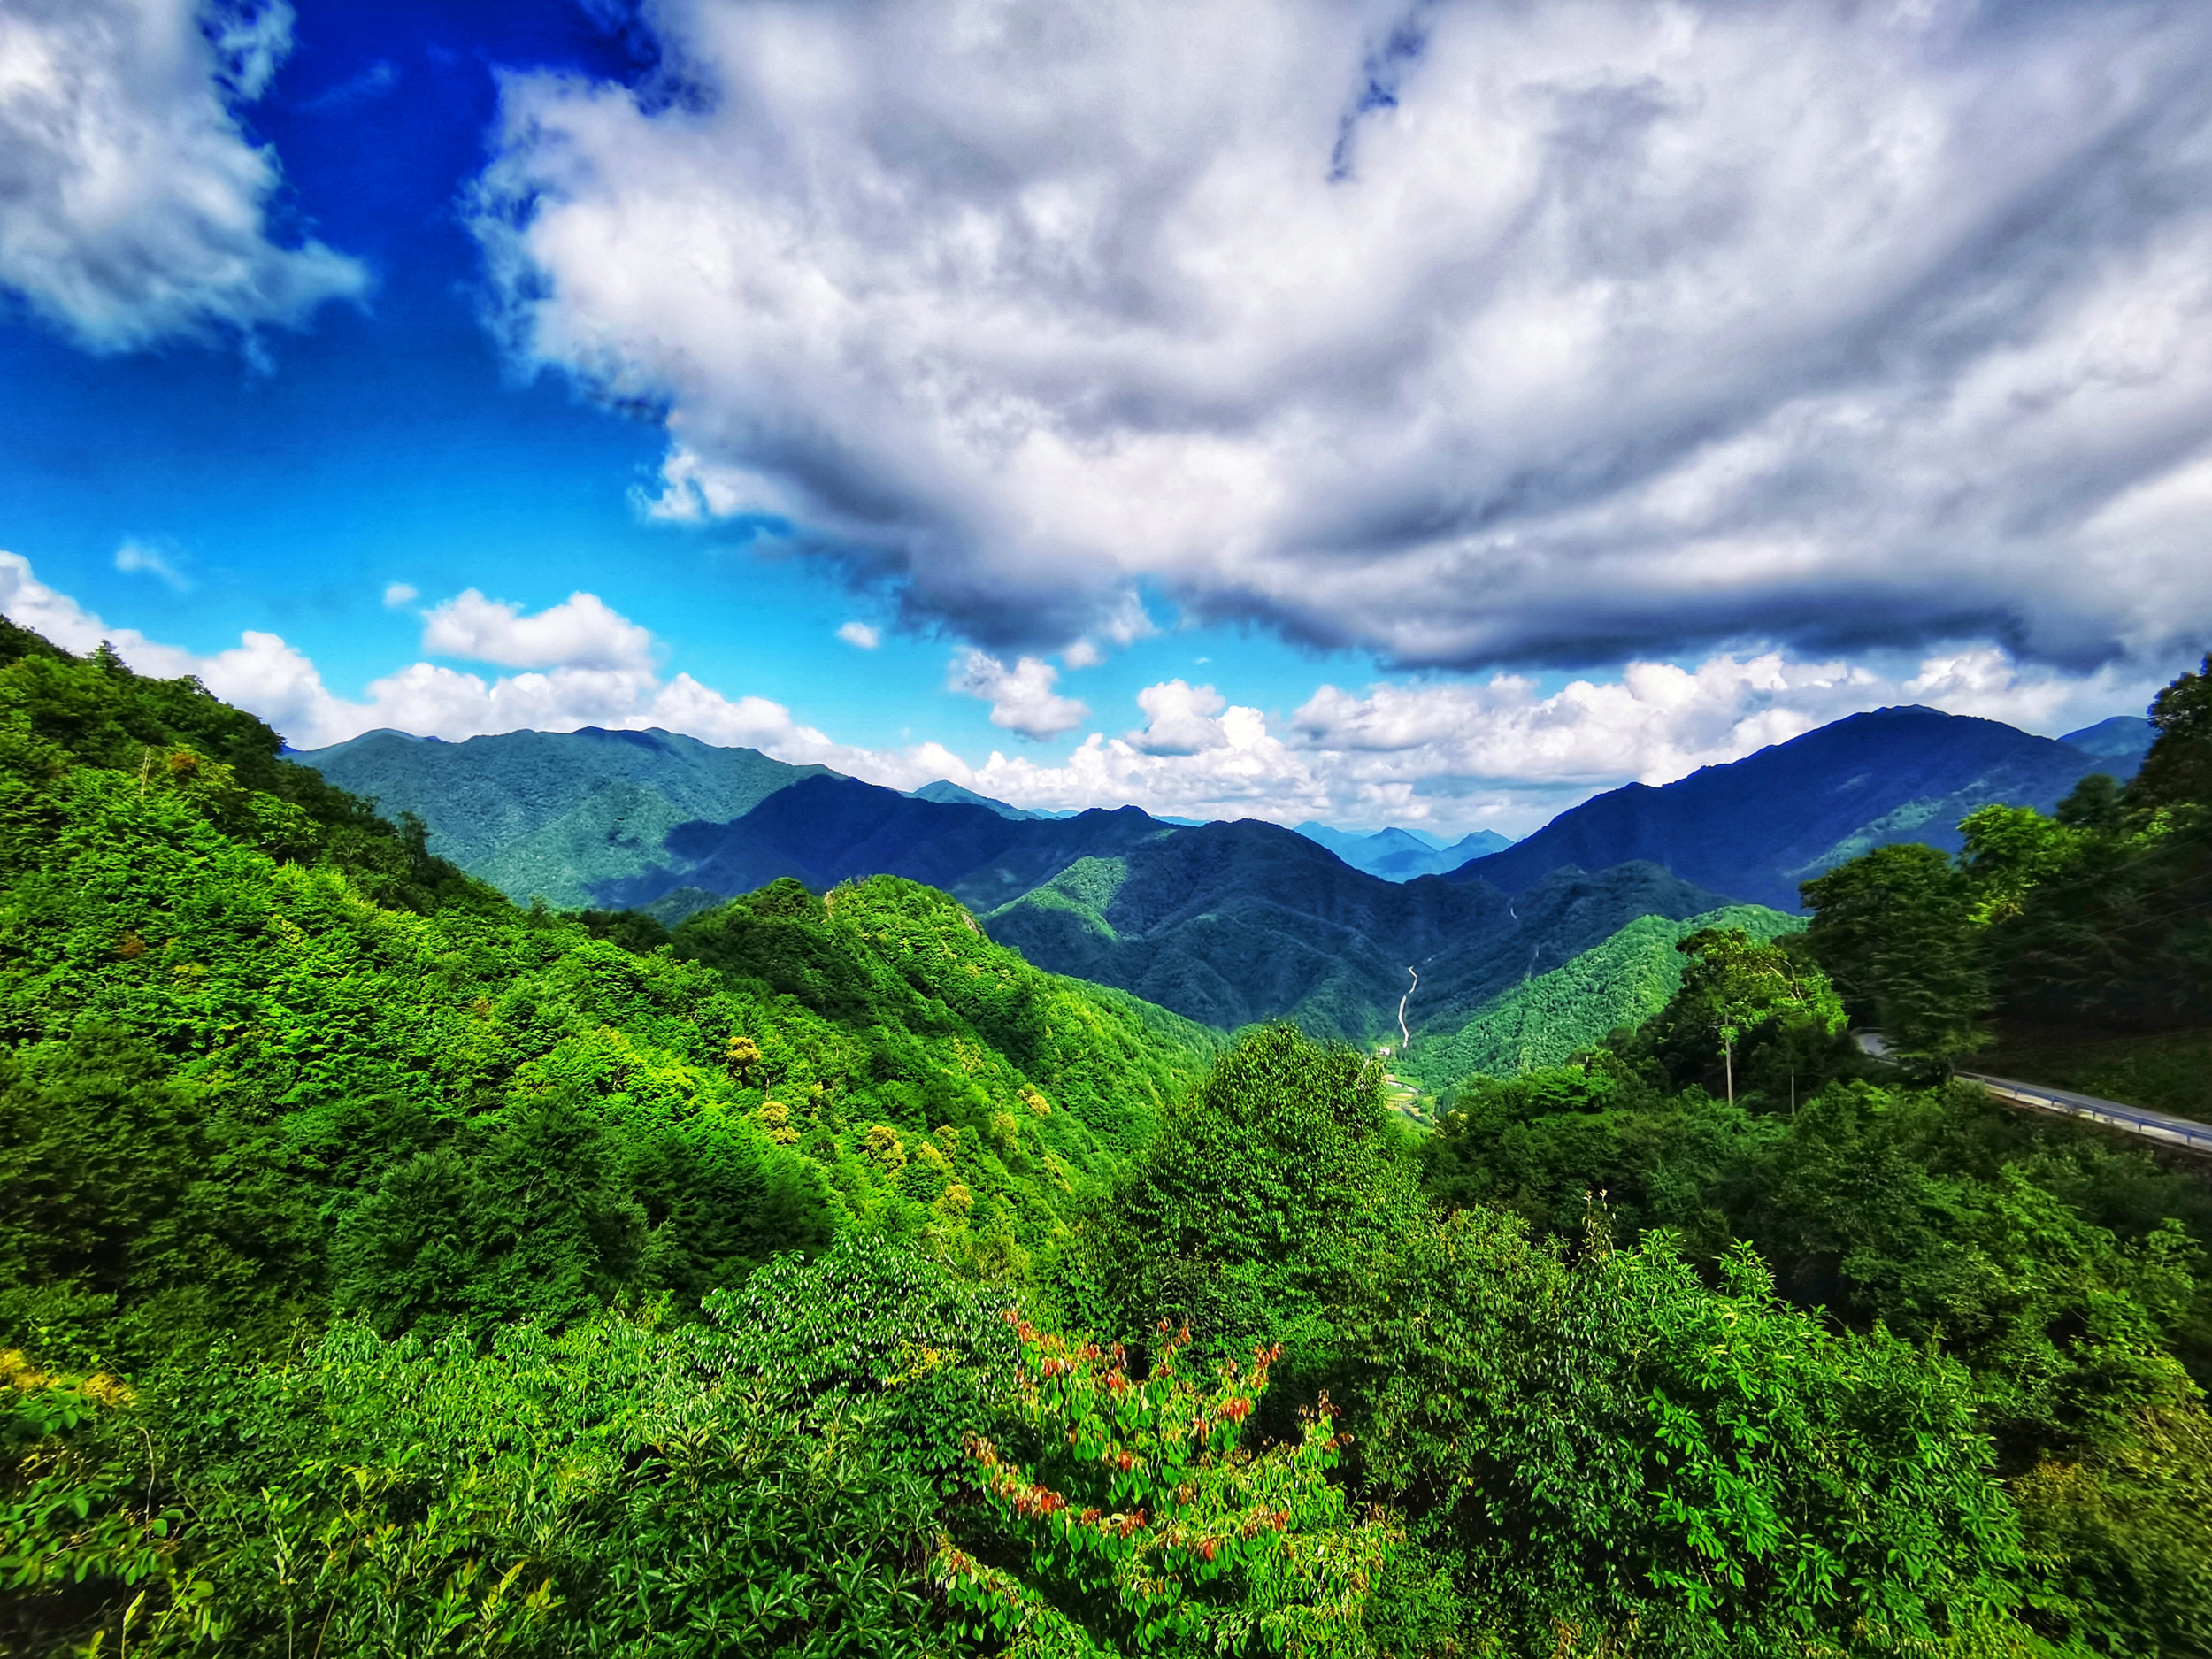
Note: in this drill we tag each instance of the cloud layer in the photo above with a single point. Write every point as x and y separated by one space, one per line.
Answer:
131 204
1554 333
1455 755
1451 755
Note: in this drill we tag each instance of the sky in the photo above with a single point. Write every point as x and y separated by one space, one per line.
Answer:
1415 413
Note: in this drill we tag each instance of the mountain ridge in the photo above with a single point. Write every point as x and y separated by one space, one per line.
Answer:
1754 828
1399 854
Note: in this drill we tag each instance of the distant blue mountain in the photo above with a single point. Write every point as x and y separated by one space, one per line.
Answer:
2124 739
947 793
1398 855
1755 828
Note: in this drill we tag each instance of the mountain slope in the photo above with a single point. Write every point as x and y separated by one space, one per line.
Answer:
1224 924
1756 827
554 813
2122 741
1539 1021
824 829
1232 923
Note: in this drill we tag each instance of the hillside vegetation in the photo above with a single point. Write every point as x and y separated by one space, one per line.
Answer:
1547 1019
387 1269
2095 919
556 815
1224 922
2166 1071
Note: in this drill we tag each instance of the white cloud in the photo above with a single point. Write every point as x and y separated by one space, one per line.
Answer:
581 633
131 202
860 635
1181 718
1455 755
399 593
274 680
1021 697
1614 328
1449 756
134 559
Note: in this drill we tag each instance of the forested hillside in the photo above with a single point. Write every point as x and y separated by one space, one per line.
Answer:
2092 920
387 1270
1224 922
1551 1016
2063 1272
554 815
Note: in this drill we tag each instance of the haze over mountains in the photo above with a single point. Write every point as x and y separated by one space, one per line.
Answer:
1224 922
1397 855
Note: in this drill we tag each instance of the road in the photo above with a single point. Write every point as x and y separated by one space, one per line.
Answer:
2162 1127
2159 1127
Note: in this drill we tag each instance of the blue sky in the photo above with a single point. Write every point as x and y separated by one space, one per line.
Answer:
1434 458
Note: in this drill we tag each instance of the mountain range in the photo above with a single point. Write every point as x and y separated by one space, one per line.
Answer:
1397 855
1224 923
1756 827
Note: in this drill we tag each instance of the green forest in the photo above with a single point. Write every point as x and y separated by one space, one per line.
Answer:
1550 1017
388 1269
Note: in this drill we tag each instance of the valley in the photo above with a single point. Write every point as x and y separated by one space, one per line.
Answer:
1224 923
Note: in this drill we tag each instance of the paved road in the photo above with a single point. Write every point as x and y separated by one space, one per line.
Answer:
2136 1120
2169 1131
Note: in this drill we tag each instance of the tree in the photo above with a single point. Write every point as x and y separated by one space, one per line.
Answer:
1895 930
1267 1186
1607 1446
1732 986
1145 1525
2178 769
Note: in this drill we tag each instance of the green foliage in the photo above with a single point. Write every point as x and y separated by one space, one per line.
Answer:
1144 1526
1738 991
1249 1217
2060 1270
1895 930
612 1489
243 1088
2169 1071
2177 771
1543 1021
1619 1458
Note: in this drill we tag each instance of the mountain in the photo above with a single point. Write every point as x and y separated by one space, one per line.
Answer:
1398 855
1539 1021
824 829
947 793
1222 923
2124 738
554 814
1756 827
1232 923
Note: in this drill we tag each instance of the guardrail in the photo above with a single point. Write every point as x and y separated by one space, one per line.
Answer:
2169 1130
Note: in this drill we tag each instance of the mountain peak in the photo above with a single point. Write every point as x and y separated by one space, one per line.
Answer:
1755 828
